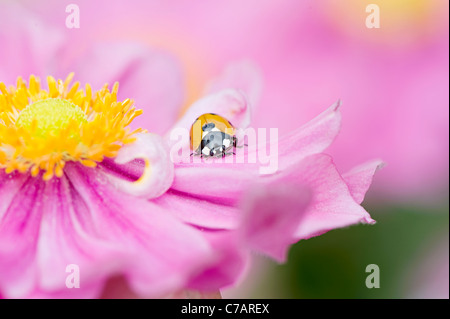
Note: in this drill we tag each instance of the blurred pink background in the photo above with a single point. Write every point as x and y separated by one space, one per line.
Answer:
393 81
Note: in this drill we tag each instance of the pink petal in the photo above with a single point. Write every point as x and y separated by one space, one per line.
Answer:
81 219
332 205
245 76
312 138
151 78
158 253
199 211
69 235
219 184
272 214
158 173
229 264
359 179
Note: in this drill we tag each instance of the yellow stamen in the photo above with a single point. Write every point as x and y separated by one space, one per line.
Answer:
41 130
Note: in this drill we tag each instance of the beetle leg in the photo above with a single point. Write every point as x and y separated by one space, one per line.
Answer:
241 146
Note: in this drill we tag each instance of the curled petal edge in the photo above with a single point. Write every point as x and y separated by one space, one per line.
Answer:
158 173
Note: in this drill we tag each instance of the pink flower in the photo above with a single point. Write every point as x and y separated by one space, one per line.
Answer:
124 209
62 204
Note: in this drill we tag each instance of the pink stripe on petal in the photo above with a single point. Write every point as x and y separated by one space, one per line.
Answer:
10 184
158 173
359 178
131 171
19 230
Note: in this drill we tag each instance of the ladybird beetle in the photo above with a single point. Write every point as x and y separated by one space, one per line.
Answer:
212 136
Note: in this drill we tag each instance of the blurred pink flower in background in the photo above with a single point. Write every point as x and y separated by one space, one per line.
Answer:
393 80
223 215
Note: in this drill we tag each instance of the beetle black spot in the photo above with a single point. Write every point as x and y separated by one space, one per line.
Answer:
208 127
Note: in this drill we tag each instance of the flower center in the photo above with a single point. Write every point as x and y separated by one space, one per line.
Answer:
41 130
51 115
